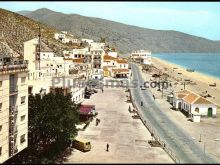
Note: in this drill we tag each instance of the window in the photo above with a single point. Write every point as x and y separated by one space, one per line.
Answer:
22 139
23 118
23 80
23 100
0 84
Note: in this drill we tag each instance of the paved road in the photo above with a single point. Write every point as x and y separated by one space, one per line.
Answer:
176 138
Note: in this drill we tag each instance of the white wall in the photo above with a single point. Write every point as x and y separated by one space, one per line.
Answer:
203 108
113 54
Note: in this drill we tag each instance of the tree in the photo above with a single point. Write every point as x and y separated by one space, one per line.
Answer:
102 39
52 121
52 118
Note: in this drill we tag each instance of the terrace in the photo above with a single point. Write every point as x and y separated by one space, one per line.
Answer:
14 66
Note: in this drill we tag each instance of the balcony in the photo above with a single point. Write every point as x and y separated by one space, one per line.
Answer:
13 89
14 66
13 110
97 61
12 131
13 149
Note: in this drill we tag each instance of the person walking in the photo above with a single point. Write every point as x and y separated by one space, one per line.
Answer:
154 97
107 147
141 103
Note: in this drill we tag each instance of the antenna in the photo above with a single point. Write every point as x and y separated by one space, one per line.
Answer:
39 45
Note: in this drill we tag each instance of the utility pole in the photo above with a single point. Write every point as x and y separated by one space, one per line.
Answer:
38 48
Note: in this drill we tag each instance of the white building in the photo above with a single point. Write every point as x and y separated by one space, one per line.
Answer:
97 45
191 103
115 67
113 54
89 41
30 54
141 56
52 66
13 109
70 86
59 36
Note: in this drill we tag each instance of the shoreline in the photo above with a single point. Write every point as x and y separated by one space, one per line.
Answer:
200 74
202 80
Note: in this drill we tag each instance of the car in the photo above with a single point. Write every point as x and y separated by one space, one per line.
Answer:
87 96
95 91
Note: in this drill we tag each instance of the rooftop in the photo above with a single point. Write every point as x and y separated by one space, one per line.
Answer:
191 97
14 66
120 70
108 58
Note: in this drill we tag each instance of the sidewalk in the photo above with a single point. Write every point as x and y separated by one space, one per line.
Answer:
127 137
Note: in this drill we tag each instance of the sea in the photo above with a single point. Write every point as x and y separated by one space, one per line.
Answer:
205 63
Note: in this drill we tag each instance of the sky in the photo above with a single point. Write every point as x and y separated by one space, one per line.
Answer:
195 18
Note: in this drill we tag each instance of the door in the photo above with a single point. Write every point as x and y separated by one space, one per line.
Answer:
209 112
179 105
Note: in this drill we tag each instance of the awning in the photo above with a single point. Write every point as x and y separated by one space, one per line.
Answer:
86 109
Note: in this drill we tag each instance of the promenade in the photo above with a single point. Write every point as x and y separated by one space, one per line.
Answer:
127 137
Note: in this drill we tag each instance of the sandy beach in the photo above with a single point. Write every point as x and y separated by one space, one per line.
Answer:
208 129
200 82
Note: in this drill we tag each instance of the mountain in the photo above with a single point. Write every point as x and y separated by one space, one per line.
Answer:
124 37
24 12
16 29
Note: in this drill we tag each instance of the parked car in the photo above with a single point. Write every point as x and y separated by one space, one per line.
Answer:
81 144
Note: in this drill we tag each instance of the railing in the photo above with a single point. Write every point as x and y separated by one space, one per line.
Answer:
13 148
13 89
97 61
13 65
13 130
13 110
153 133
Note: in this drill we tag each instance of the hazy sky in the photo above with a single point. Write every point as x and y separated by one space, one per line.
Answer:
196 18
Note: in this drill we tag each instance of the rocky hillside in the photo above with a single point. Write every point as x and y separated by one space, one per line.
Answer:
125 37
16 29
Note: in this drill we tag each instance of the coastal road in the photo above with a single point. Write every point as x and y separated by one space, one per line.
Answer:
184 147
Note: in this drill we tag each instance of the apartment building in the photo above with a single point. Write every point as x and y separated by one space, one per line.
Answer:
30 54
13 108
141 56
115 67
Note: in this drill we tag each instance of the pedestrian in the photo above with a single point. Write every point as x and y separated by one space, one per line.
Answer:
96 121
102 90
154 97
141 103
107 146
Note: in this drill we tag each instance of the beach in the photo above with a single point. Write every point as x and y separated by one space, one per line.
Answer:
208 129
200 82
